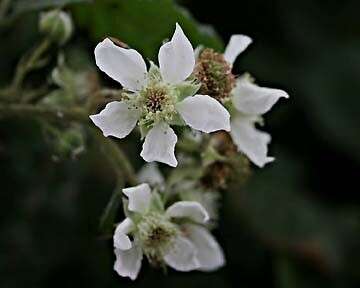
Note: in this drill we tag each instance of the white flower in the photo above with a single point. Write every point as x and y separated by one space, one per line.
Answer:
156 234
187 189
250 102
160 97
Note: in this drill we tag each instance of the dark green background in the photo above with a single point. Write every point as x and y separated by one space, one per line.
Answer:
296 223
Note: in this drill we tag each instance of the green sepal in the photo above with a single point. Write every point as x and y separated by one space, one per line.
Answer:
210 155
144 129
154 72
58 98
187 88
184 174
177 120
230 107
156 202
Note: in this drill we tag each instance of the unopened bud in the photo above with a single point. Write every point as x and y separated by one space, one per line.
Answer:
214 74
57 25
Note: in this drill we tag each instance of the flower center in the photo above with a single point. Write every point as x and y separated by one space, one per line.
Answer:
156 233
156 97
214 74
157 102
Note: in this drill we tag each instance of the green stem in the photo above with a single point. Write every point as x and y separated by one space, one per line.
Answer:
108 216
116 157
28 64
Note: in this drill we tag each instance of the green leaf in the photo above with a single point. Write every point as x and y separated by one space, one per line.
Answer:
331 88
143 25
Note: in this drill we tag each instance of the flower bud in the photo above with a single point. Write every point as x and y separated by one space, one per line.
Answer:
66 143
57 25
214 74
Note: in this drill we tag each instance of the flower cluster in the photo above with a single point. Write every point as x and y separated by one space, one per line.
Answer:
175 236
170 224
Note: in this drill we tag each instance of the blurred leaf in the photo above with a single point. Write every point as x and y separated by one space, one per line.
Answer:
141 24
332 88
285 219
21 6
288 274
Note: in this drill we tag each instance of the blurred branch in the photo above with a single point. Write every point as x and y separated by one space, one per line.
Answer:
115 155
26 110
4 7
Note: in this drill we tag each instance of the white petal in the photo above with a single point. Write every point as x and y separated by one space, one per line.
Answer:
128 263
116 119
139 197
252 142
237 44
209 200
151 174
123 65
176 58
252 99
159 145
209 252
182 255
121 240
204 113
188 209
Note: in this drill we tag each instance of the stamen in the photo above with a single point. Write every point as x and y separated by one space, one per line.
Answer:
155 99
156 233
